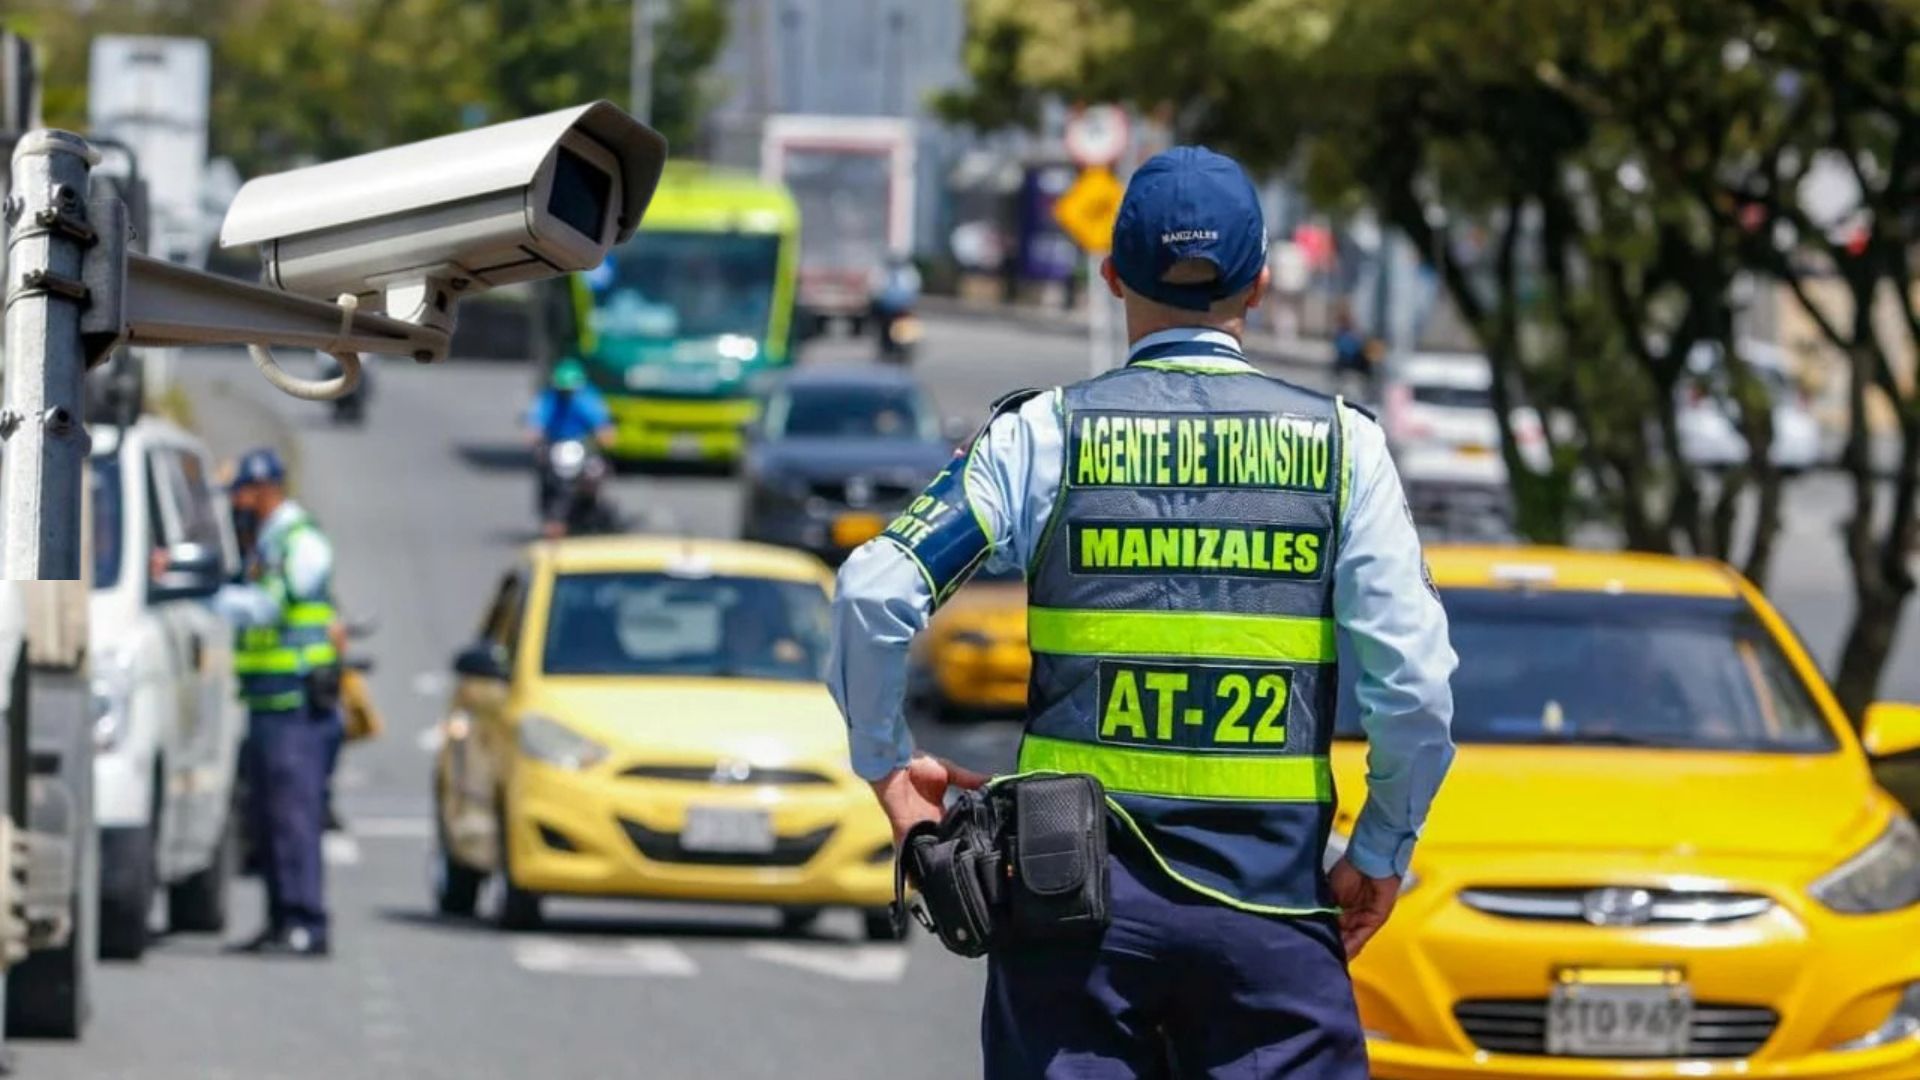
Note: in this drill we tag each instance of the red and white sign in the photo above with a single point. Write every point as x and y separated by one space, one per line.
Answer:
1096 135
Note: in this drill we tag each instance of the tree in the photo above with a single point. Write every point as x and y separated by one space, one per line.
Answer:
300 80
1596 183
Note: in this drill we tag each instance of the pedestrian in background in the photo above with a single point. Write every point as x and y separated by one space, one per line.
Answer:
289 668
1196 679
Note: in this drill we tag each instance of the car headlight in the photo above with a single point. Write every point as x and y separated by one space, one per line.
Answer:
556 744
1884 876
112 692
1903 1022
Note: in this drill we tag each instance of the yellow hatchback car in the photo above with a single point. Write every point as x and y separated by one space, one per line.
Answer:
645 718
1660 852
973 658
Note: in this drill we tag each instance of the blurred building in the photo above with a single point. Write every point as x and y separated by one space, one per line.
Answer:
847 58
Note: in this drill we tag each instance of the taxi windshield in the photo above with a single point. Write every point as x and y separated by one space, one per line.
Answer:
660 624
687 285
1609 670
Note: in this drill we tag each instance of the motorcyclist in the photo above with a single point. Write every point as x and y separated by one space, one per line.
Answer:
895 289
567 408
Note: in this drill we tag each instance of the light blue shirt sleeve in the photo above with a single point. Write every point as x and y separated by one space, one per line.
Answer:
882 599
1396 632
245 606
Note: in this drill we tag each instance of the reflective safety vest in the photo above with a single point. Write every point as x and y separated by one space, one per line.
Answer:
273 661
1180 614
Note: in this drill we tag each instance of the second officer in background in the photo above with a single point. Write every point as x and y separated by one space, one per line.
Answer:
289 672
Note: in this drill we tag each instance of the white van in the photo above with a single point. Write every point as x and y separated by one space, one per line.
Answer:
169 725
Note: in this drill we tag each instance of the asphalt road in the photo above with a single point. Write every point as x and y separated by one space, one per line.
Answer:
426 505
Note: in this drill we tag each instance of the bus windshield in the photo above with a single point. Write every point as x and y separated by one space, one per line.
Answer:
684 285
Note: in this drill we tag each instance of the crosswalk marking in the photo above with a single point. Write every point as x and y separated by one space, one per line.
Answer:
853 963
558 956
340 849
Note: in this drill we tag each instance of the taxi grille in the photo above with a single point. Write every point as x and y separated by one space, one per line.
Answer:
708 774
1649 906
665 847
1519 1026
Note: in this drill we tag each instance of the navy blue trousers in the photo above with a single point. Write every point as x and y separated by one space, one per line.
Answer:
287 771
1178 986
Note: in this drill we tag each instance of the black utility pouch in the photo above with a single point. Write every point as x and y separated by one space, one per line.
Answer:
1057 855
956 870
323 688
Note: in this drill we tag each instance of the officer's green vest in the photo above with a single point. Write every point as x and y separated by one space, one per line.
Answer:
1181 621
273 661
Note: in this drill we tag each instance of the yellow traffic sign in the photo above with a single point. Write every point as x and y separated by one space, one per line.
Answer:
1085 211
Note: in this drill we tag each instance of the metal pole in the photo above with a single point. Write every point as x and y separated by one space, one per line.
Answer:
41 471
640 65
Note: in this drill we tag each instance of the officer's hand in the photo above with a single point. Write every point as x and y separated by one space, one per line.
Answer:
918 792
1365 902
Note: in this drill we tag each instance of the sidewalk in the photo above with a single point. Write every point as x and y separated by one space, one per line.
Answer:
1261 347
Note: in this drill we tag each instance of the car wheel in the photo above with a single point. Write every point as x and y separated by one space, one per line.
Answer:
456 886
879 925
47 993
519 909
126 891
198 904
799 921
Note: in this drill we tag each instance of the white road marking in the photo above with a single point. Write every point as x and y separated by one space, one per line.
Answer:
431 683
430 738
558 956
391 828
340 849
853 963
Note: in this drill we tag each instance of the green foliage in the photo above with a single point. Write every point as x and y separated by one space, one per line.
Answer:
1597 182
303 80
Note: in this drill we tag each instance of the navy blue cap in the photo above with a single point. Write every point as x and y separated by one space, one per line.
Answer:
259 466
1189 203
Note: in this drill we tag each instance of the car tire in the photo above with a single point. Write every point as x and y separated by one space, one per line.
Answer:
49 993
799 921
126 891
197 904
878 925
456 886
518 908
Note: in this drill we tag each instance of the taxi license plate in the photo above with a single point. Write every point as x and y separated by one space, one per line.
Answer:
1653 1020
852 530
721 830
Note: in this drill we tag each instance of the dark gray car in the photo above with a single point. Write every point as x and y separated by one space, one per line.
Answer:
839 450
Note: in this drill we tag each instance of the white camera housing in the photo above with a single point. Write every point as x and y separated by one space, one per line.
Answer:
411 230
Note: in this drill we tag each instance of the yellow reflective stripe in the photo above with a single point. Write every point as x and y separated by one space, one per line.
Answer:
319 655
1203 635
290 699
267 662
1181 775
310 614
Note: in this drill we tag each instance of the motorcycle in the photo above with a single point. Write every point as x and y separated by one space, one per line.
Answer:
899 333
351 409
572 473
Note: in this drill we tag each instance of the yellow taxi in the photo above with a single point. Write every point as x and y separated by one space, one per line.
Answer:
643 717
973 657
1660 852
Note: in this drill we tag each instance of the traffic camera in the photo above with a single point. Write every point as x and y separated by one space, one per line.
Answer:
413 229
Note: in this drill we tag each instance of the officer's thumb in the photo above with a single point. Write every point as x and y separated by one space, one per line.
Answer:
963 777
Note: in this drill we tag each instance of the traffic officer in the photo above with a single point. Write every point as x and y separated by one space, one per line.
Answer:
289 677
1199 539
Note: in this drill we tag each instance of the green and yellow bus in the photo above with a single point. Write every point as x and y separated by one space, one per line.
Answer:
682 323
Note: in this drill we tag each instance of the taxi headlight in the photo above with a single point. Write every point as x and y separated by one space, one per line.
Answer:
555 744
1903 1022
1884 876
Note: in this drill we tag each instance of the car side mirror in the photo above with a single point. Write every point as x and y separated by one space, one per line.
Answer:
192 572
485 660
1891 728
